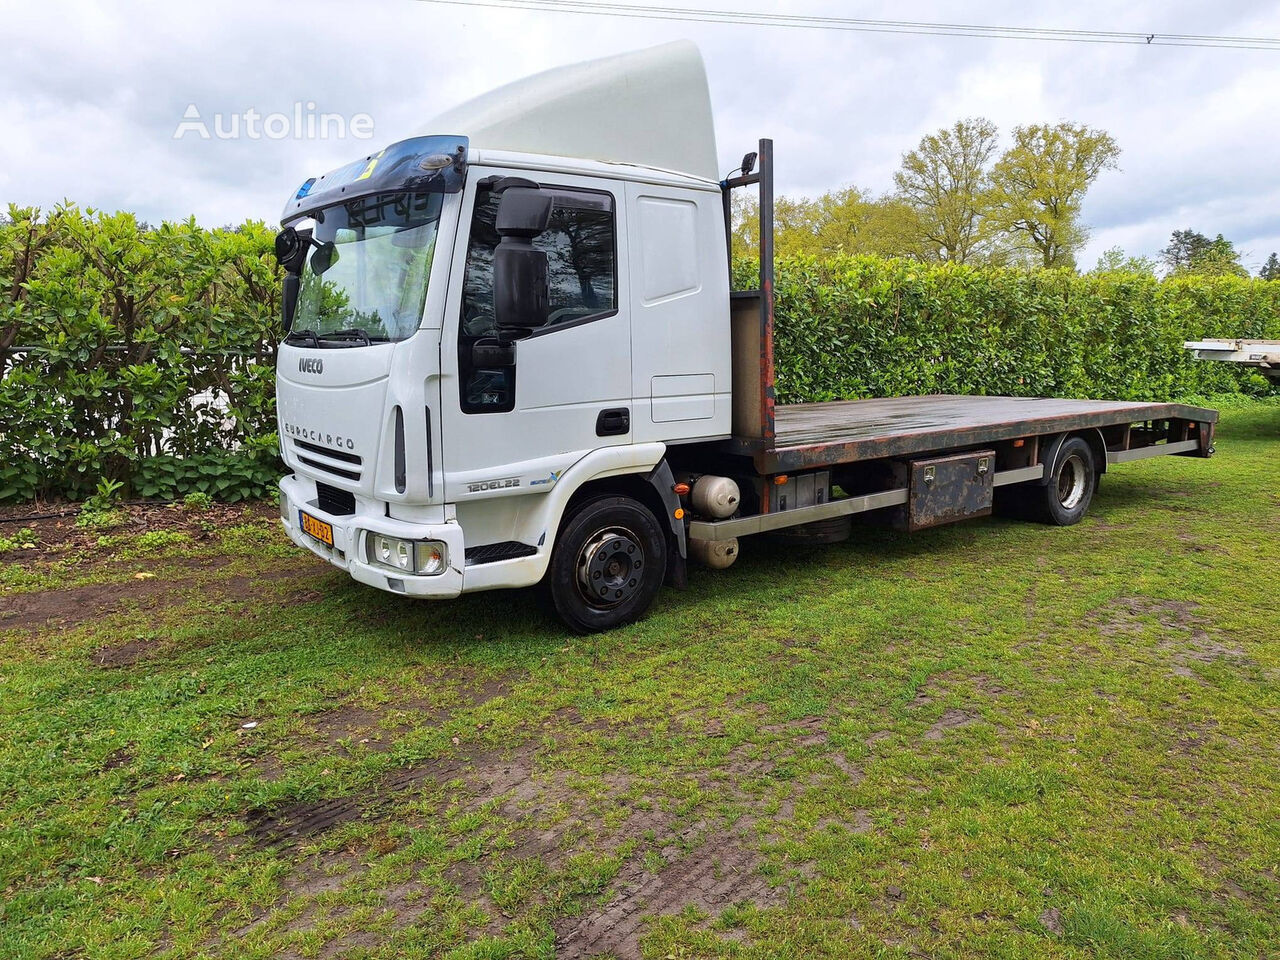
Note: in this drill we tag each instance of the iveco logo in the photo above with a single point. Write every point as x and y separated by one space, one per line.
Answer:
310 365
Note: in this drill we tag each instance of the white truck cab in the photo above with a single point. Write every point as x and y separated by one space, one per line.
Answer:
513 357
434 450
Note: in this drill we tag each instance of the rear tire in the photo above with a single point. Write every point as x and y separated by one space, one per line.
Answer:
607 565
1065 497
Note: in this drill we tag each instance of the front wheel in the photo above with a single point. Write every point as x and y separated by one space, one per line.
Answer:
607 565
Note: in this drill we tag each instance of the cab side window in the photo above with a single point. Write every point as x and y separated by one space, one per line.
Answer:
582 274
581 257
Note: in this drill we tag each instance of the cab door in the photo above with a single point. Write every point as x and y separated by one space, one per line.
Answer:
513 429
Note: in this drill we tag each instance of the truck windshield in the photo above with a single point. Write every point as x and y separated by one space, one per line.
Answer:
367 281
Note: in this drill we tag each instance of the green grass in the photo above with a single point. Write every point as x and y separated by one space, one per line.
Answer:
991 739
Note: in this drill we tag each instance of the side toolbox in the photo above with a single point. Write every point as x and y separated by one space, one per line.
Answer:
945 489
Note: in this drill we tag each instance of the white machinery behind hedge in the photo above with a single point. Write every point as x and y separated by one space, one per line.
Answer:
1261 354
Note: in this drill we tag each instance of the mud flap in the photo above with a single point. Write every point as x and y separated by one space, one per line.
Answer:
677 563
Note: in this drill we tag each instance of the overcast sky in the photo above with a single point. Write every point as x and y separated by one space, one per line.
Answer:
91 95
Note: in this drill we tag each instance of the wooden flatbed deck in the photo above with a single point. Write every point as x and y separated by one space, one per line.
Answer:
822 434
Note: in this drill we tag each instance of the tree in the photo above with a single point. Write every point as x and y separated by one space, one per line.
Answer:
1271 269
1115 260
1190 251
840 220
1038 185
944 180
1185 246
847 221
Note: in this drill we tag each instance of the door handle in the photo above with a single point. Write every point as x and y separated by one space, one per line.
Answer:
613 422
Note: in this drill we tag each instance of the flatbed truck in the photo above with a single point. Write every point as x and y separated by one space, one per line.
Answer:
514 358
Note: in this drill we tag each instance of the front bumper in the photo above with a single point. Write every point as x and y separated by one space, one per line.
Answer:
349 532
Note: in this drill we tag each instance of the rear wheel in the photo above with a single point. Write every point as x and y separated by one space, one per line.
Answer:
607 565
1065 498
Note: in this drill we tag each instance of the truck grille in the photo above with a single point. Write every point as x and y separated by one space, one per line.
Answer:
493 552
347 465
335 502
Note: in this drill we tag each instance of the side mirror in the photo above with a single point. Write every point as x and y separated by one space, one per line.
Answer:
286 244
523 212
521 298
326 256
291 252
291 248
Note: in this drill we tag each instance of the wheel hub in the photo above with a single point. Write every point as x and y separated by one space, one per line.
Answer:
610 567
1071 482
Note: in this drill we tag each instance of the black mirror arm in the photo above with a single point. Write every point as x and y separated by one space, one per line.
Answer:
289 297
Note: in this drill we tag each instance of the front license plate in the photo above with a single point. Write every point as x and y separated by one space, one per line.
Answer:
316 528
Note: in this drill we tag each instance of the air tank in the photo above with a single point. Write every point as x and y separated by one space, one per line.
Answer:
716 497
716 554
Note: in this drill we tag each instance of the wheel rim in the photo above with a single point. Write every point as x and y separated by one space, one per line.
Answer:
610 567
1072 482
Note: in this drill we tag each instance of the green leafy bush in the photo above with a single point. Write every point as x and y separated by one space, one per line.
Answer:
88 519
23 539
142 356
864 327
197 501
159 539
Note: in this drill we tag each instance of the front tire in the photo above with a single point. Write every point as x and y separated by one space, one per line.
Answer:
607 565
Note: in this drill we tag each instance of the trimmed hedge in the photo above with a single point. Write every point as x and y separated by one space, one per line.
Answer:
137 355
865 327
151 352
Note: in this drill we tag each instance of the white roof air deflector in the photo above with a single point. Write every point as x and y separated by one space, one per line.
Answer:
651 108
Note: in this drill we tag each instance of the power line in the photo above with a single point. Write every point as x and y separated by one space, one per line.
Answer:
603 8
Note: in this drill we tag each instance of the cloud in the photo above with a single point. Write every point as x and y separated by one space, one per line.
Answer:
91 97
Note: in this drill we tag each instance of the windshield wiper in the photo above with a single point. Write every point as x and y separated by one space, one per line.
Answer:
296 336
352 333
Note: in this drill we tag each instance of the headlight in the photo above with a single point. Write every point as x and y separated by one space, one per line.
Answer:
429 557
